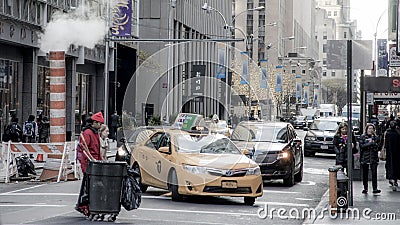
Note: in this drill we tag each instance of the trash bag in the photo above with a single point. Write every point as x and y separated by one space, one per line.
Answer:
131 193
25 165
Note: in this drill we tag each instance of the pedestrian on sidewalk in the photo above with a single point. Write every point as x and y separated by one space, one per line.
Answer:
369 145
104 132
44 129
391 146
340 145
13 131
89 147
114 125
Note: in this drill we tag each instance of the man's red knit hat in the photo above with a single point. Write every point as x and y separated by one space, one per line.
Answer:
98 117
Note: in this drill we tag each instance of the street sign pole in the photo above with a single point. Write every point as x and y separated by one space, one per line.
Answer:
349 120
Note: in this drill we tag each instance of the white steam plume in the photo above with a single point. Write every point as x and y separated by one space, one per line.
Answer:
75 28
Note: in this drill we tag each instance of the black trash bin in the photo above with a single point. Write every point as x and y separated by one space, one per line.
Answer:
105 185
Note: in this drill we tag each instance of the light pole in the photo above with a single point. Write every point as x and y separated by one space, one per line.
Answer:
228 35
376 43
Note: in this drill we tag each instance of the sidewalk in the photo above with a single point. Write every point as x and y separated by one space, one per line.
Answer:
383 208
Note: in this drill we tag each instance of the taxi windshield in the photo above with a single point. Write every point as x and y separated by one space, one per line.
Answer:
214 144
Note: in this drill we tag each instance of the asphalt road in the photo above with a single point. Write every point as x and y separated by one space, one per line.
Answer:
53 203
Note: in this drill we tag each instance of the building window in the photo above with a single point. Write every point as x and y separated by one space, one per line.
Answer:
303 71
324 48
293 71
333 73
329 13
43 88
335 13
345 34
325 35
324 74
323 61
8 90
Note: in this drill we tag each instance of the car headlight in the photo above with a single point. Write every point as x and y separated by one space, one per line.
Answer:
253 171
121 151
195 169
310 138
283 155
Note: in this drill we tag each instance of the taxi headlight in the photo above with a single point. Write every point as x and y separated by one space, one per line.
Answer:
195 169
253 171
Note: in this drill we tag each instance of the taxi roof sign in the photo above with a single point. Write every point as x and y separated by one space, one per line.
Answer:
185 121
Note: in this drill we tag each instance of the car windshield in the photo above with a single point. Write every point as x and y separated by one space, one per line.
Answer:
260 133
139 135
214 144
324 125
300 118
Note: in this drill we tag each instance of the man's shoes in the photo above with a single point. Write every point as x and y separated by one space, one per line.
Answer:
377 191
365 191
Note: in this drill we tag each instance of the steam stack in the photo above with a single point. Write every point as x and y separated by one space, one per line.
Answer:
57 97
57 112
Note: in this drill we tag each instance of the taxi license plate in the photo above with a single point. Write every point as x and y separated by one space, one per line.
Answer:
324 146
229 184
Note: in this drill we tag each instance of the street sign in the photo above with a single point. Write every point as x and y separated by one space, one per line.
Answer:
197 81
370 98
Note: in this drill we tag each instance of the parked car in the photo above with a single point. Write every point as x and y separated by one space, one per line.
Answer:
274 146
194 163
319 137
300 122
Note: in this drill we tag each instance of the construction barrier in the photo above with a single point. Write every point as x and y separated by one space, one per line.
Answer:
65 151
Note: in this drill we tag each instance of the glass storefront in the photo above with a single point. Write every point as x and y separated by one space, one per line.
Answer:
43 87
84 101
8 91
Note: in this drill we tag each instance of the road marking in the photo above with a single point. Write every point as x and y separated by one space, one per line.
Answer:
307 183
316 171
198 212
44 194
281 192
283 204
305 199
24 189
33 205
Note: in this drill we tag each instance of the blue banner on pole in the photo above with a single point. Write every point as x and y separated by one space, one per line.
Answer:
221 69
264 74
121 18
278 82
245 78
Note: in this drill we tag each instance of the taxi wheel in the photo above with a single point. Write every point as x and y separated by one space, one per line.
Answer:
249 200
173 186
143 187
289 180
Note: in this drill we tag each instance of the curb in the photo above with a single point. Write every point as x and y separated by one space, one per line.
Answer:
323 204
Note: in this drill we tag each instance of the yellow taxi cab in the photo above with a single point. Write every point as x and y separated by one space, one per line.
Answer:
193 163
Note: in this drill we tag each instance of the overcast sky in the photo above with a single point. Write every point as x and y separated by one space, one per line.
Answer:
367 13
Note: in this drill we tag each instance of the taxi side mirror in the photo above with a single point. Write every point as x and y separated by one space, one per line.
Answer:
164 150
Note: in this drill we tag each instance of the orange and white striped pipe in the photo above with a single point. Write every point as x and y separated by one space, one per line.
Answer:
57 97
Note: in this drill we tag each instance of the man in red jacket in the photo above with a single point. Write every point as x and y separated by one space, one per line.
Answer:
88 149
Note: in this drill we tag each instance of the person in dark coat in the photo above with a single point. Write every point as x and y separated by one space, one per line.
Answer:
369 145
392 143
13 131
114 125
340 144
44 130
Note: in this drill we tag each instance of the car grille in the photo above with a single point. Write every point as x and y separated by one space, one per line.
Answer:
227 173
320 138
217 189
329 139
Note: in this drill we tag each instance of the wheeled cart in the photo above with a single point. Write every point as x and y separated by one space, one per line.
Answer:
105 185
